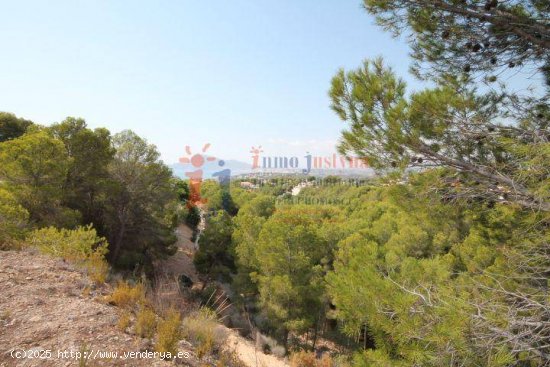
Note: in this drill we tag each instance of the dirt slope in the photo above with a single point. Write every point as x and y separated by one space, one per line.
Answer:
182 261
249 355
45 304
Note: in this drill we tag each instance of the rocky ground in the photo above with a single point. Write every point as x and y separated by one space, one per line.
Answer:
48 308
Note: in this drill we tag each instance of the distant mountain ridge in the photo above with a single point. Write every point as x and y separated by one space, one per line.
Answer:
243 169
209 168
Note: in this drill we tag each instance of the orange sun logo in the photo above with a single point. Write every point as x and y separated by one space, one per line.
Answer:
195 177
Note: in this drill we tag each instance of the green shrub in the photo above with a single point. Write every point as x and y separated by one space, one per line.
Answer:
78 244
13 221
193 217
81 245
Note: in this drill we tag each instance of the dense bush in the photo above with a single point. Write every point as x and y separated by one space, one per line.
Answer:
13 220
12 127
77 244
81 245
193 217
215 254
68 175
33 169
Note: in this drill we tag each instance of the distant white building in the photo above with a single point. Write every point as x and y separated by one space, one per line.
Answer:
296 189
248 185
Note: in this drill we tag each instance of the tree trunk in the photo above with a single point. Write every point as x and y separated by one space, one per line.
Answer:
285 339
118 242
315 335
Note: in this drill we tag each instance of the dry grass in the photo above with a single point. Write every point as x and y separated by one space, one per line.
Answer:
306 359
86 291
124 321
166 294
97 268
229 359
146 323
126 296
169 333
202 329
11 245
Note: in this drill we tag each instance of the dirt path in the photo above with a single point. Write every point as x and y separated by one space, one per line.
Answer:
249 355
182 263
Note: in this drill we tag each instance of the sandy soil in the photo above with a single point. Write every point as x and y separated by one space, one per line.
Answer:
249 355
182 261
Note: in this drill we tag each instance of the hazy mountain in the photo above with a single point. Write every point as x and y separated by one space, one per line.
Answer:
209 168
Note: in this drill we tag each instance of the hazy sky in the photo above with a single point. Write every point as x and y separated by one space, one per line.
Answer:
181 72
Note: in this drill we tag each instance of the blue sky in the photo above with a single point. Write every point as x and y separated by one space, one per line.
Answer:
234 74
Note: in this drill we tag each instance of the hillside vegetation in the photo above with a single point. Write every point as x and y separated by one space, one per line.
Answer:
441 259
